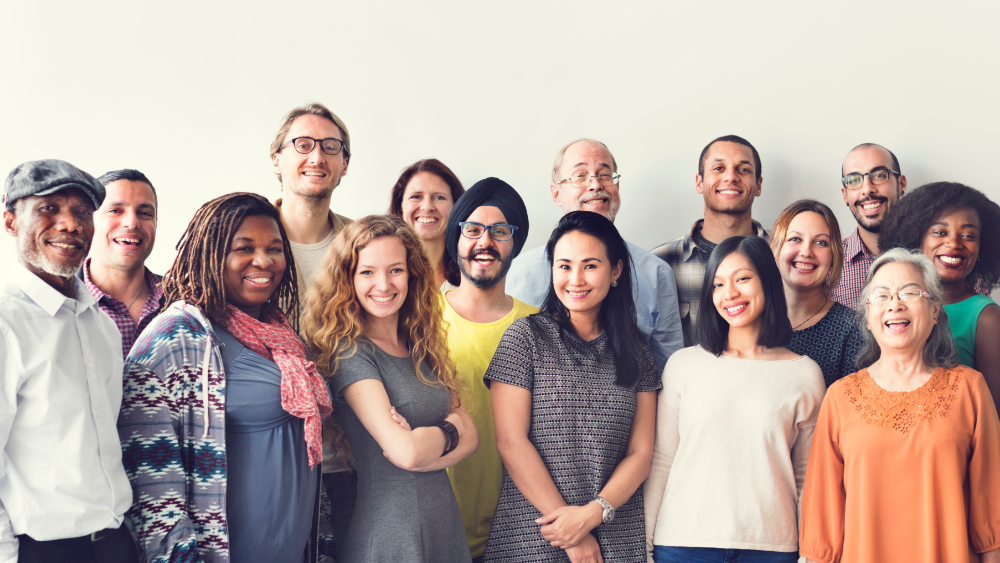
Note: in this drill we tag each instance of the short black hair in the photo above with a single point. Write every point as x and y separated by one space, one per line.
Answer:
131 175
618 308
908 219
712 331
895 161
729 139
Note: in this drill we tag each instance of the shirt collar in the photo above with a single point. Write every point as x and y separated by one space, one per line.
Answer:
689 244
331 217
46 296
151 281
853 246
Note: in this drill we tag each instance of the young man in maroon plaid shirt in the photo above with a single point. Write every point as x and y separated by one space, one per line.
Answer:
115 272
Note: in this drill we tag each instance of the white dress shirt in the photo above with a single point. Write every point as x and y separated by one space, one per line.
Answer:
61 474
654 291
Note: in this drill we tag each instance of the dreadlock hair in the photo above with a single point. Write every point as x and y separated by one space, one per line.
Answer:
617 314
335 319
199 270
909 219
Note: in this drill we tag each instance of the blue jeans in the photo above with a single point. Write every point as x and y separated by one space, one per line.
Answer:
662 554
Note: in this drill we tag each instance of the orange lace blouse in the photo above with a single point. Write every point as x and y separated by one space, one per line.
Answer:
903 476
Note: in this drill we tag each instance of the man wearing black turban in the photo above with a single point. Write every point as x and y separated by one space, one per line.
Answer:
486 230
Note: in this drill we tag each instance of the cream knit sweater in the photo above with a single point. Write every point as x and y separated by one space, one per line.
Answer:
732 441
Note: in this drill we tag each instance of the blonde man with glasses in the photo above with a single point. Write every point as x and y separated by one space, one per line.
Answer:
310 154
585 178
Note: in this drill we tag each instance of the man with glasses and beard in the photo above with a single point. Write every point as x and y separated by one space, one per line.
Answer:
871 184
63 489
486 230
585 178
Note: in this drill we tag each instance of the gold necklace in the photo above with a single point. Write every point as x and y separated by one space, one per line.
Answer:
825 301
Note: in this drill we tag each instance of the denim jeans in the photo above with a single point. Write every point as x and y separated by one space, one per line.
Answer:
662 554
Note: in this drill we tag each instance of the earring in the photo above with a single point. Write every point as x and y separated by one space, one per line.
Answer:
614 283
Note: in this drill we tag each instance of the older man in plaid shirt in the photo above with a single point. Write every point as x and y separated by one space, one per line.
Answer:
729 178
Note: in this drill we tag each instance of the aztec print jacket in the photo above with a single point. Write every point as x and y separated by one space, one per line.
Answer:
173 438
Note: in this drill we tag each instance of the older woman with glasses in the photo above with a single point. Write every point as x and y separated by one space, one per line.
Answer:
904 459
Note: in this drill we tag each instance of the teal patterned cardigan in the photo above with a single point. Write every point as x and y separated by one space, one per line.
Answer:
176 465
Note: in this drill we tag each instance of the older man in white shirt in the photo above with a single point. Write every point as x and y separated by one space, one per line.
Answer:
63 489
585 178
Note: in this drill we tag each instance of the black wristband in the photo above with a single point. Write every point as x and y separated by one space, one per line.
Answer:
451 433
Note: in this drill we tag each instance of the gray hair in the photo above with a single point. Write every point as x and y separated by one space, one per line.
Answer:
939 350
562 152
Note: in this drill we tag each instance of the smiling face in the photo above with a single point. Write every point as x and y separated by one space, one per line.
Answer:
254 264
582 273
952 243
805 257
125 225
730 182
484 261
899 326
737 292
53 233
312 175
426 205
381 278
869 203
593 159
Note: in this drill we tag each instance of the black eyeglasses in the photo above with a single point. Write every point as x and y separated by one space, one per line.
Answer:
305 145
498 231
880 175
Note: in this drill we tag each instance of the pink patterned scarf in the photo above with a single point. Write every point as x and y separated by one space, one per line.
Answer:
303 391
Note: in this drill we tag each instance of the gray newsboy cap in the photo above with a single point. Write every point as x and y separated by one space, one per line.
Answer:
44 177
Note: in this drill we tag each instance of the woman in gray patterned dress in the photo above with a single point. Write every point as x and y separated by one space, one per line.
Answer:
574 403
374 318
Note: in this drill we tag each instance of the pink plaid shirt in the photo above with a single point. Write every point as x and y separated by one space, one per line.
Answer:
118 311
857 260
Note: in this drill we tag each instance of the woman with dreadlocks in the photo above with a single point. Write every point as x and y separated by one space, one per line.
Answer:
221 415
374 324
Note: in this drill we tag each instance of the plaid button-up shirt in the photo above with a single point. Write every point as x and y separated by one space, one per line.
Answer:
857 261
688 259
118 311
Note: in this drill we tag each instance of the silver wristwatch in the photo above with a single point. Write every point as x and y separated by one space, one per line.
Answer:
609 512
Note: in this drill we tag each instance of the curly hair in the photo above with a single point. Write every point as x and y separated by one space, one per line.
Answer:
439 169
199 270
909 219
836 245
334 318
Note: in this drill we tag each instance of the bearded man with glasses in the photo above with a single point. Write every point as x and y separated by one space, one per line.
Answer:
871 183
585 178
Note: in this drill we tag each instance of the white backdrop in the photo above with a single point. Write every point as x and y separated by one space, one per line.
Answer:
191 93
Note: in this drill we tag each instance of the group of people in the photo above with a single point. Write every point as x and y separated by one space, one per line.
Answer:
416 386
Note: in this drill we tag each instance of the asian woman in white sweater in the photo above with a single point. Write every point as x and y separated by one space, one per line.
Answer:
734 422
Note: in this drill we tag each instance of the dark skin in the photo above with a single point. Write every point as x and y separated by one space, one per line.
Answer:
953 243
56 229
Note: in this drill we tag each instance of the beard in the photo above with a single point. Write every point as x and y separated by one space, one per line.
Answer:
871 225
613 205
38 259
485 281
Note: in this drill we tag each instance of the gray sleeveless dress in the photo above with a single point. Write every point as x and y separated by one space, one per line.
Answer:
400 515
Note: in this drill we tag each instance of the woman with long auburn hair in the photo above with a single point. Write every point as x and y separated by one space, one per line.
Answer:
424 195
373 324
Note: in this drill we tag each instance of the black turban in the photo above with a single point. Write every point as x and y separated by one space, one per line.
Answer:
489 192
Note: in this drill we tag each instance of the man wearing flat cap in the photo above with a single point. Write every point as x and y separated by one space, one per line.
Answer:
63 490
486 230
585 178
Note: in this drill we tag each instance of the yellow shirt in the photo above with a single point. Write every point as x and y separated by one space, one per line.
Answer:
477 478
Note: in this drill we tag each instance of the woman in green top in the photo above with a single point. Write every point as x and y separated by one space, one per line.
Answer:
958 228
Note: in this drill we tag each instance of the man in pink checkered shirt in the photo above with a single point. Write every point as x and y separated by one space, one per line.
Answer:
115 271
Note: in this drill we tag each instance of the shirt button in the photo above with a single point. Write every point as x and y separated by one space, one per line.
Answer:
97 413
89 365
